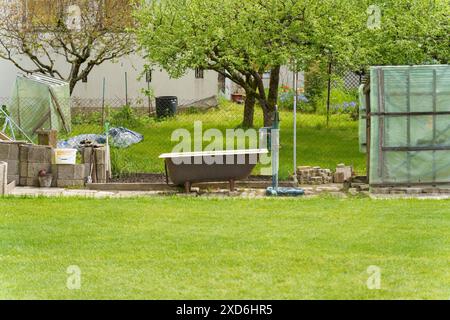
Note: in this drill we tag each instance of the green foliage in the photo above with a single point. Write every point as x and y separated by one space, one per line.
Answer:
126 117
342 101
87 118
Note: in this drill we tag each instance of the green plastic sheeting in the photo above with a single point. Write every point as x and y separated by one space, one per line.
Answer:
40 102
410 125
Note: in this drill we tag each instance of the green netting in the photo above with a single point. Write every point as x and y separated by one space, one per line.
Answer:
410 125
39 102
362 121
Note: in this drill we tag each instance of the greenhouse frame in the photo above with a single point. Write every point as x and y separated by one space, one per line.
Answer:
40 102
407 124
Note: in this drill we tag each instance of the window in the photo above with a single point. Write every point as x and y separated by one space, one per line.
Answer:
84 79
199 73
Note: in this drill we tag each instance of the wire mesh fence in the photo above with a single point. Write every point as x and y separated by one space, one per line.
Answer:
327 124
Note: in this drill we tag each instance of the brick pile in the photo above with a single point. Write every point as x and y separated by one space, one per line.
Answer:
314 175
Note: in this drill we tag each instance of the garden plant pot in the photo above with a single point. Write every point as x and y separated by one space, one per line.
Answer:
46 181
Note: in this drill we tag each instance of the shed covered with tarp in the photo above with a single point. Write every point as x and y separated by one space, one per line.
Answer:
40 102
408 132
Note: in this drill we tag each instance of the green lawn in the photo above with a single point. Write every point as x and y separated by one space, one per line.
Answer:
187 248
317 144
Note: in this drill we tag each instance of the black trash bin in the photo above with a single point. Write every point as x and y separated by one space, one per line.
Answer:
166 106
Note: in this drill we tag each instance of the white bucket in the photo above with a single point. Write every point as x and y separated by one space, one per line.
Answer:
65 156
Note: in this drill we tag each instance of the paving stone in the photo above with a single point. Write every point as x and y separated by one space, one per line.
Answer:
377 190
414 190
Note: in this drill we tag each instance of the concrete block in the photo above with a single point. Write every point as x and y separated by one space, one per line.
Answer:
23 168
23 152
9 150
100 155
32 182
3 178
70 172
40 154
10 187
4 151
22 181
101 172
79 173
34 168
86 155
12 178
61 183
13 167
346 170
339 177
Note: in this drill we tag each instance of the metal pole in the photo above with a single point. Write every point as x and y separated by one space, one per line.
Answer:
103 101
295 78
149 100
126 88
329 93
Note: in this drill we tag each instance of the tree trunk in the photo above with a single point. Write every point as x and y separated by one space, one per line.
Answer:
72 84
249 110
268 106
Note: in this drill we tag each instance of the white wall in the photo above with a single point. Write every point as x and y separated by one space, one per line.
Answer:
187 89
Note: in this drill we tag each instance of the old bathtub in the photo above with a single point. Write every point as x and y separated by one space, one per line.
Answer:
184 169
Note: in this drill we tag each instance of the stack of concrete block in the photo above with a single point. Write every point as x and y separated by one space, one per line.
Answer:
68 175
9 152
95 160
33 159
3 178
314 175
343 173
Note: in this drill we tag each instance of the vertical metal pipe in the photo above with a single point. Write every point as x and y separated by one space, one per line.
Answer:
126 88
329 92
295 87
103 101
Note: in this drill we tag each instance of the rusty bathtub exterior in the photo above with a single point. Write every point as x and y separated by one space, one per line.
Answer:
184 169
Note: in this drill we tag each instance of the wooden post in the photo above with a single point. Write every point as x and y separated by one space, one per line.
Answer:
232 185
48 138
187 187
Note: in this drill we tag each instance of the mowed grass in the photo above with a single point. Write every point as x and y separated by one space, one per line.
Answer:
318 145
187 248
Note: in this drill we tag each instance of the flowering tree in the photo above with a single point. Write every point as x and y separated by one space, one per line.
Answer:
35 34
242 40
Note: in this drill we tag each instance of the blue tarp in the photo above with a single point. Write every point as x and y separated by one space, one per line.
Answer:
118 137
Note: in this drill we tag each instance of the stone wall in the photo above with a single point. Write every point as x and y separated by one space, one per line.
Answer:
9 152
3 178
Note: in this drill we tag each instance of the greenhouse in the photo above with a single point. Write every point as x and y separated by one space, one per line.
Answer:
40 102
408 125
